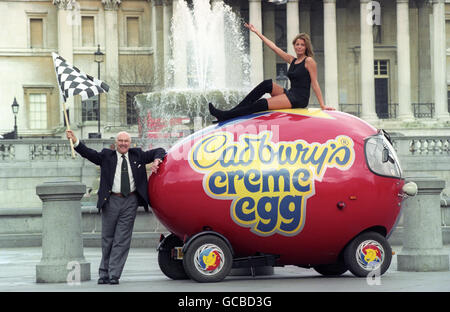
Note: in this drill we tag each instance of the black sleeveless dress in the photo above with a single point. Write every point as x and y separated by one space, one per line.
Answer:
299 92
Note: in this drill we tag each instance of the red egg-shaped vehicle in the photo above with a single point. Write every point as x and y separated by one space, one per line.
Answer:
304 187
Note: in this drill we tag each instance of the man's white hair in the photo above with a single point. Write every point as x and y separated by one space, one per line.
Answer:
123 132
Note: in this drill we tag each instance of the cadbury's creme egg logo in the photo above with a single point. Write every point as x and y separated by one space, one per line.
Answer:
268 182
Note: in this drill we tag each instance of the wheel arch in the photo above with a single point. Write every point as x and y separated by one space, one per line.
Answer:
376 228
192 238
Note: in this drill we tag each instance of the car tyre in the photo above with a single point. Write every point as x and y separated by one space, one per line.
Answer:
171 267
368 252
208 259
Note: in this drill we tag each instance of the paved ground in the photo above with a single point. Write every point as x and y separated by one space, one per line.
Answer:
142 274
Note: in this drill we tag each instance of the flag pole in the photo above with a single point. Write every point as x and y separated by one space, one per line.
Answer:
68 128
67 70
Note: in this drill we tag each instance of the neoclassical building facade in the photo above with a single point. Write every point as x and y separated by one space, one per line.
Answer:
385 61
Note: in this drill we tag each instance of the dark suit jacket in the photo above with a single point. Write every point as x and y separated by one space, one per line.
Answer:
107 160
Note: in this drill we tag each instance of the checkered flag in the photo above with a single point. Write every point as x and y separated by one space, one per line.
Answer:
72 81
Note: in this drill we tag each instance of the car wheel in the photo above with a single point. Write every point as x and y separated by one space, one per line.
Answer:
171 267
368 252
208 259
334 269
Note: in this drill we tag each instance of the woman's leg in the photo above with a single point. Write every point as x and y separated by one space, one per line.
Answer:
279 102
258 106
276 102
276 89
267 86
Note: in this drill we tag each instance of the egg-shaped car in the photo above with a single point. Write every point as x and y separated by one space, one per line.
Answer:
305 187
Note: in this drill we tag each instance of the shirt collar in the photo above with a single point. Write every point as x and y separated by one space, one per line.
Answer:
119 155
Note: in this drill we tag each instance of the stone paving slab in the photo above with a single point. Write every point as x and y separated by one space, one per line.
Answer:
142 274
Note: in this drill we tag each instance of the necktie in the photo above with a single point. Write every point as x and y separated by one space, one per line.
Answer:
124 178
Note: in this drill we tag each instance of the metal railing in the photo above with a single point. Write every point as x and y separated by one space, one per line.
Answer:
420 110
423 110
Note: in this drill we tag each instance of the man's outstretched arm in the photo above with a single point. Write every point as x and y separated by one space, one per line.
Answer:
83 150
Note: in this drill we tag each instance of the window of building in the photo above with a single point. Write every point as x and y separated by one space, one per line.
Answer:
281 39
38 110
382 106
89 109
381 68
87 31
36 33
132 114
448 101
132 31
377 34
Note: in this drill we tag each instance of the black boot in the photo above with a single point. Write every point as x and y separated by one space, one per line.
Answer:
214 111
264 87
259 106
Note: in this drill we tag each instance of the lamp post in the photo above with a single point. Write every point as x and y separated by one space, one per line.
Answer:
98 58
15 110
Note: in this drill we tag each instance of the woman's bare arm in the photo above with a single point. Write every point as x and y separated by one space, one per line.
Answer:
285 56
311 66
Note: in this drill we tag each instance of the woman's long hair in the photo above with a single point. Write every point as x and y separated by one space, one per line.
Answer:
309 48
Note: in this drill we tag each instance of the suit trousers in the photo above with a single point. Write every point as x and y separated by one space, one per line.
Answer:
118 217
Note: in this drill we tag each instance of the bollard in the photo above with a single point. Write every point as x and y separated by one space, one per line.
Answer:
422 249
62 244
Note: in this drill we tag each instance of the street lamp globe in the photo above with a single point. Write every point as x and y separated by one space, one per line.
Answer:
282 79
99 55
98 58
15 107
15 110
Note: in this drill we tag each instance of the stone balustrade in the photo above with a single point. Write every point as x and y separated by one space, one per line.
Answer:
41 149
422 146
59 149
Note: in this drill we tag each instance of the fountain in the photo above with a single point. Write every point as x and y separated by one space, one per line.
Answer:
208 63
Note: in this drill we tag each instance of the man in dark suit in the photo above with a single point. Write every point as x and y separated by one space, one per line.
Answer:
123 187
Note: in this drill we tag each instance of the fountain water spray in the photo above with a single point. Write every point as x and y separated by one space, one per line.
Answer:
209 63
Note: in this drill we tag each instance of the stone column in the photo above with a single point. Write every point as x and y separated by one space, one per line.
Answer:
439 61
367 62
220 81
167 12
158 43
292 24
179 48
65 46
112 62
256 45
305 14
425 92
62 244
422 237
270 58
404 63
330 53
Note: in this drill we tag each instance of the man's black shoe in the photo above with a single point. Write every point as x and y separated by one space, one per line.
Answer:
114 281
103 280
